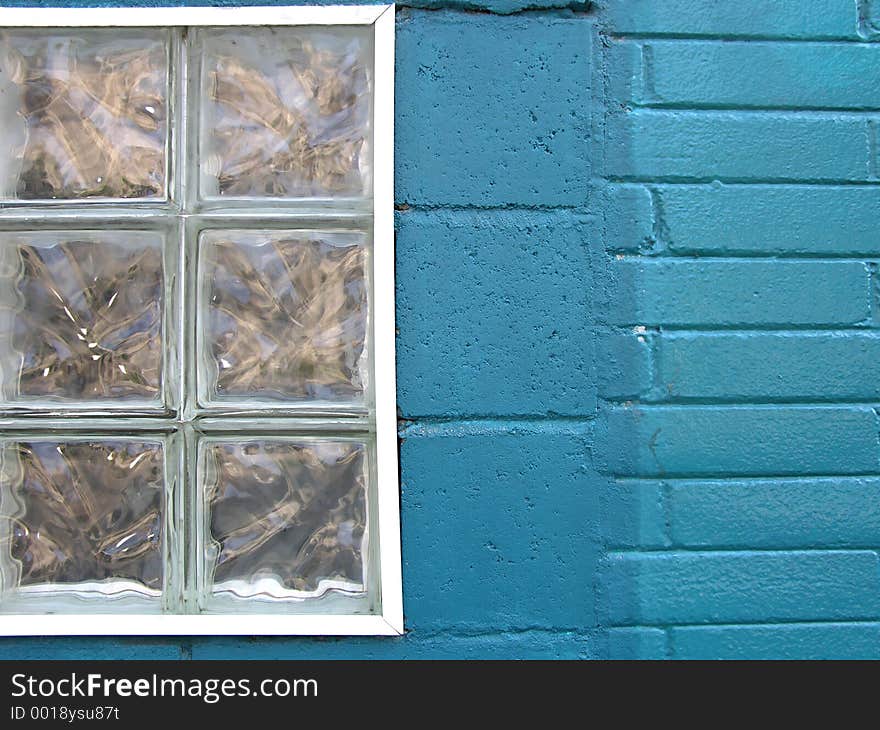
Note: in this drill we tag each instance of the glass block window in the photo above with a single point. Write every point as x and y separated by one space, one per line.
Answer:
197 322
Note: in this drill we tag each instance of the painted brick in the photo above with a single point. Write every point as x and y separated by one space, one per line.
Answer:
869 19
793 641
492 313
501 7
632 514
752 74
702 146
629 218
91 648
796 513
707 441
483 135
750 219
625 365
636 642
731 587
741 293
766 366
750 18
499 527
415 645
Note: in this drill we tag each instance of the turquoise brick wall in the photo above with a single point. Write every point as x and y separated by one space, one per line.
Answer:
637 251
742 422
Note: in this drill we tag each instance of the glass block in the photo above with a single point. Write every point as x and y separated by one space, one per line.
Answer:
83 524
82 319
283 520
282 318
84 114
285 112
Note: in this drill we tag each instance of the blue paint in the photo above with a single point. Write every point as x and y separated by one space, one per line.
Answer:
471 283
531 145
637 314
742 428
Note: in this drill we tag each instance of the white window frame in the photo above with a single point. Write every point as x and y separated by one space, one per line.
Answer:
390 622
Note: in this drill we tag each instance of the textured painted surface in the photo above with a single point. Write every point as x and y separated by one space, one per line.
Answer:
637 314
741 410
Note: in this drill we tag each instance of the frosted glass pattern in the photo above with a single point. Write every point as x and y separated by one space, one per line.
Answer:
285 112
83 114
283 316
188 386
81 317
81 519
284 519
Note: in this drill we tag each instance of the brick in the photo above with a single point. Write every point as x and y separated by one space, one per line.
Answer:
750 219
481 123
702 146
629 218
766 75
415 645
769 366
741 293
751 18
492 313
500 528
625 370
791 513
632 514
791 642
717 441
501 7
730 587
636 642
89 648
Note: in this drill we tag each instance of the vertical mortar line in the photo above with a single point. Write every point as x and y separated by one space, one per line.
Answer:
666 510
648 86
876 411
651 339
659 230
873 294
669 648
868 27
871 133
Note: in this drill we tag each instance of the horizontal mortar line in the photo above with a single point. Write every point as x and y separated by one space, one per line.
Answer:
512 207
714 179
673 334
583 9
729 476
747 41
511 428
746 111
497 423
872 403
713 258
722 482
853 40
465 633
800 109
750 185
685 253
684 407
673 550
472 418
667 625
734 328
747 331
726 481
792 622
